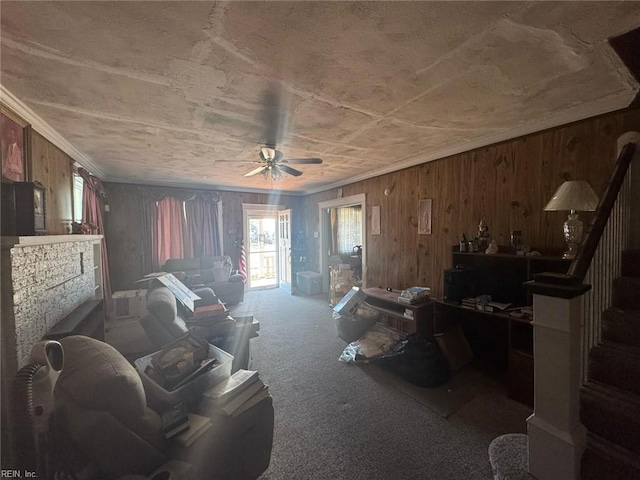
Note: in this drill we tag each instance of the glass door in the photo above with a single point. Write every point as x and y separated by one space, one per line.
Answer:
262 252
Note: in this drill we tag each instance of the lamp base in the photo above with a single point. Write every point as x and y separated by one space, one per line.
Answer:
572 234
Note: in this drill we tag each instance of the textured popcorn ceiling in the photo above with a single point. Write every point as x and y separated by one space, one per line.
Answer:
175 92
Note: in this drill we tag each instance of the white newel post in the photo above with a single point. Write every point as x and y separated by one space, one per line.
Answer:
557 439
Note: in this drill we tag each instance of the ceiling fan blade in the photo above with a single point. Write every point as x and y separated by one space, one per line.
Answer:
278 156
289 170
267 153
256 170
304 161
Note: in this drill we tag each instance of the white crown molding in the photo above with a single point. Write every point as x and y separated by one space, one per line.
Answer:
204 186
47 131
579 113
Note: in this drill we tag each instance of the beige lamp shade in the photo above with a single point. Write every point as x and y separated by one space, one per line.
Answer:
575 195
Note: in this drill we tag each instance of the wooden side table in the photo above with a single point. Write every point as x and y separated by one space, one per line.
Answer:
404 317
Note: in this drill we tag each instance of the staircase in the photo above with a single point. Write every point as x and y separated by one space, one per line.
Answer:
610 400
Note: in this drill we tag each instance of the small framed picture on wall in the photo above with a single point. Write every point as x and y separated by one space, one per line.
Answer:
14 144
424 217
375 220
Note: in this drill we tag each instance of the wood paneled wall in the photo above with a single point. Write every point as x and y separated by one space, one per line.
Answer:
507 184
123 228
54 170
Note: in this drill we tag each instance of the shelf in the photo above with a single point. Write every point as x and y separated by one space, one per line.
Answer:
387 303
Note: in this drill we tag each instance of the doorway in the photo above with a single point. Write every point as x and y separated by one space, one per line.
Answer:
262 244
326 234
261 252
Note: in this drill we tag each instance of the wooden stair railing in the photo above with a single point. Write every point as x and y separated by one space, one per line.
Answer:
587 249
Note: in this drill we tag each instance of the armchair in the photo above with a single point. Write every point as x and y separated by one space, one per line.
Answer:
164 323
214 272
102 428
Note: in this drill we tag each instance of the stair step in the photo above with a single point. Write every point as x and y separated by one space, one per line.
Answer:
616 364
626 292
631 263
611 413
603 460
621 325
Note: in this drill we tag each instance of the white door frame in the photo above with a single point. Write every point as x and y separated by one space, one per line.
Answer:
258 209
284 251
350 201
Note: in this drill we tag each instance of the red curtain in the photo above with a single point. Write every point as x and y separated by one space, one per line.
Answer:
171 229
202 234
93 195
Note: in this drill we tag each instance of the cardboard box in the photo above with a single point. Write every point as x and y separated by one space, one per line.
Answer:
350 302
179 289
130 303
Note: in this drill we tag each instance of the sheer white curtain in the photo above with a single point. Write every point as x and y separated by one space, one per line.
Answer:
347 226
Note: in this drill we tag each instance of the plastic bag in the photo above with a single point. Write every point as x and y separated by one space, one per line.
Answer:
377 342
418 361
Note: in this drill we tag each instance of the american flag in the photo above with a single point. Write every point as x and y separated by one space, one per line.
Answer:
242 264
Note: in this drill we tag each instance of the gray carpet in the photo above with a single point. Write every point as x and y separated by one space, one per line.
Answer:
344 421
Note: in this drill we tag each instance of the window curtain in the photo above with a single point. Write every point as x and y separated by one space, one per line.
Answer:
93 195
171 229
188 237
149 222
203 234
349 229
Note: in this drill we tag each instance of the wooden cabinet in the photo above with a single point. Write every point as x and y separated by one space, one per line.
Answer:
499 340
400 316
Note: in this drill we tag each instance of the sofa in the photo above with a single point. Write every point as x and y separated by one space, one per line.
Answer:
104 429
214 272
165 321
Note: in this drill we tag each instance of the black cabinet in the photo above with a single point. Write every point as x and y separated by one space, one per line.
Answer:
502 275
499 340
23 209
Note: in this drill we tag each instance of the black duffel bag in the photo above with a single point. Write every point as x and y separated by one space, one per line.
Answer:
418 361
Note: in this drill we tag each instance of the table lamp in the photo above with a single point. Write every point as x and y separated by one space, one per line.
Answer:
575 195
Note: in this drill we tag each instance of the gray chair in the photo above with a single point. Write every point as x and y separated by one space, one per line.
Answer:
102 427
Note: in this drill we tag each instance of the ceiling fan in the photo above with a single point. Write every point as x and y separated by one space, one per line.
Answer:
273 164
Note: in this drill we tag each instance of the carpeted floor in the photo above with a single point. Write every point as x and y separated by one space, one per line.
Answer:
343 421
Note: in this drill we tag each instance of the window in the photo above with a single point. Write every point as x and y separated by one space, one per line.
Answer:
348 228
78 185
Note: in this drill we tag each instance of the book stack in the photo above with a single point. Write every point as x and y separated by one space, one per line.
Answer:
414 295
210 311
175 420
238 393
469 302
198 424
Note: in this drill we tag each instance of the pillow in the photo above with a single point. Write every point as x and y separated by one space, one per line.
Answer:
221 274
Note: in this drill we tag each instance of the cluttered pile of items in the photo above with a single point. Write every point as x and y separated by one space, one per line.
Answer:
180 362
412 357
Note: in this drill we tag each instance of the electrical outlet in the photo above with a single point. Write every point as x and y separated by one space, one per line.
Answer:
315 234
